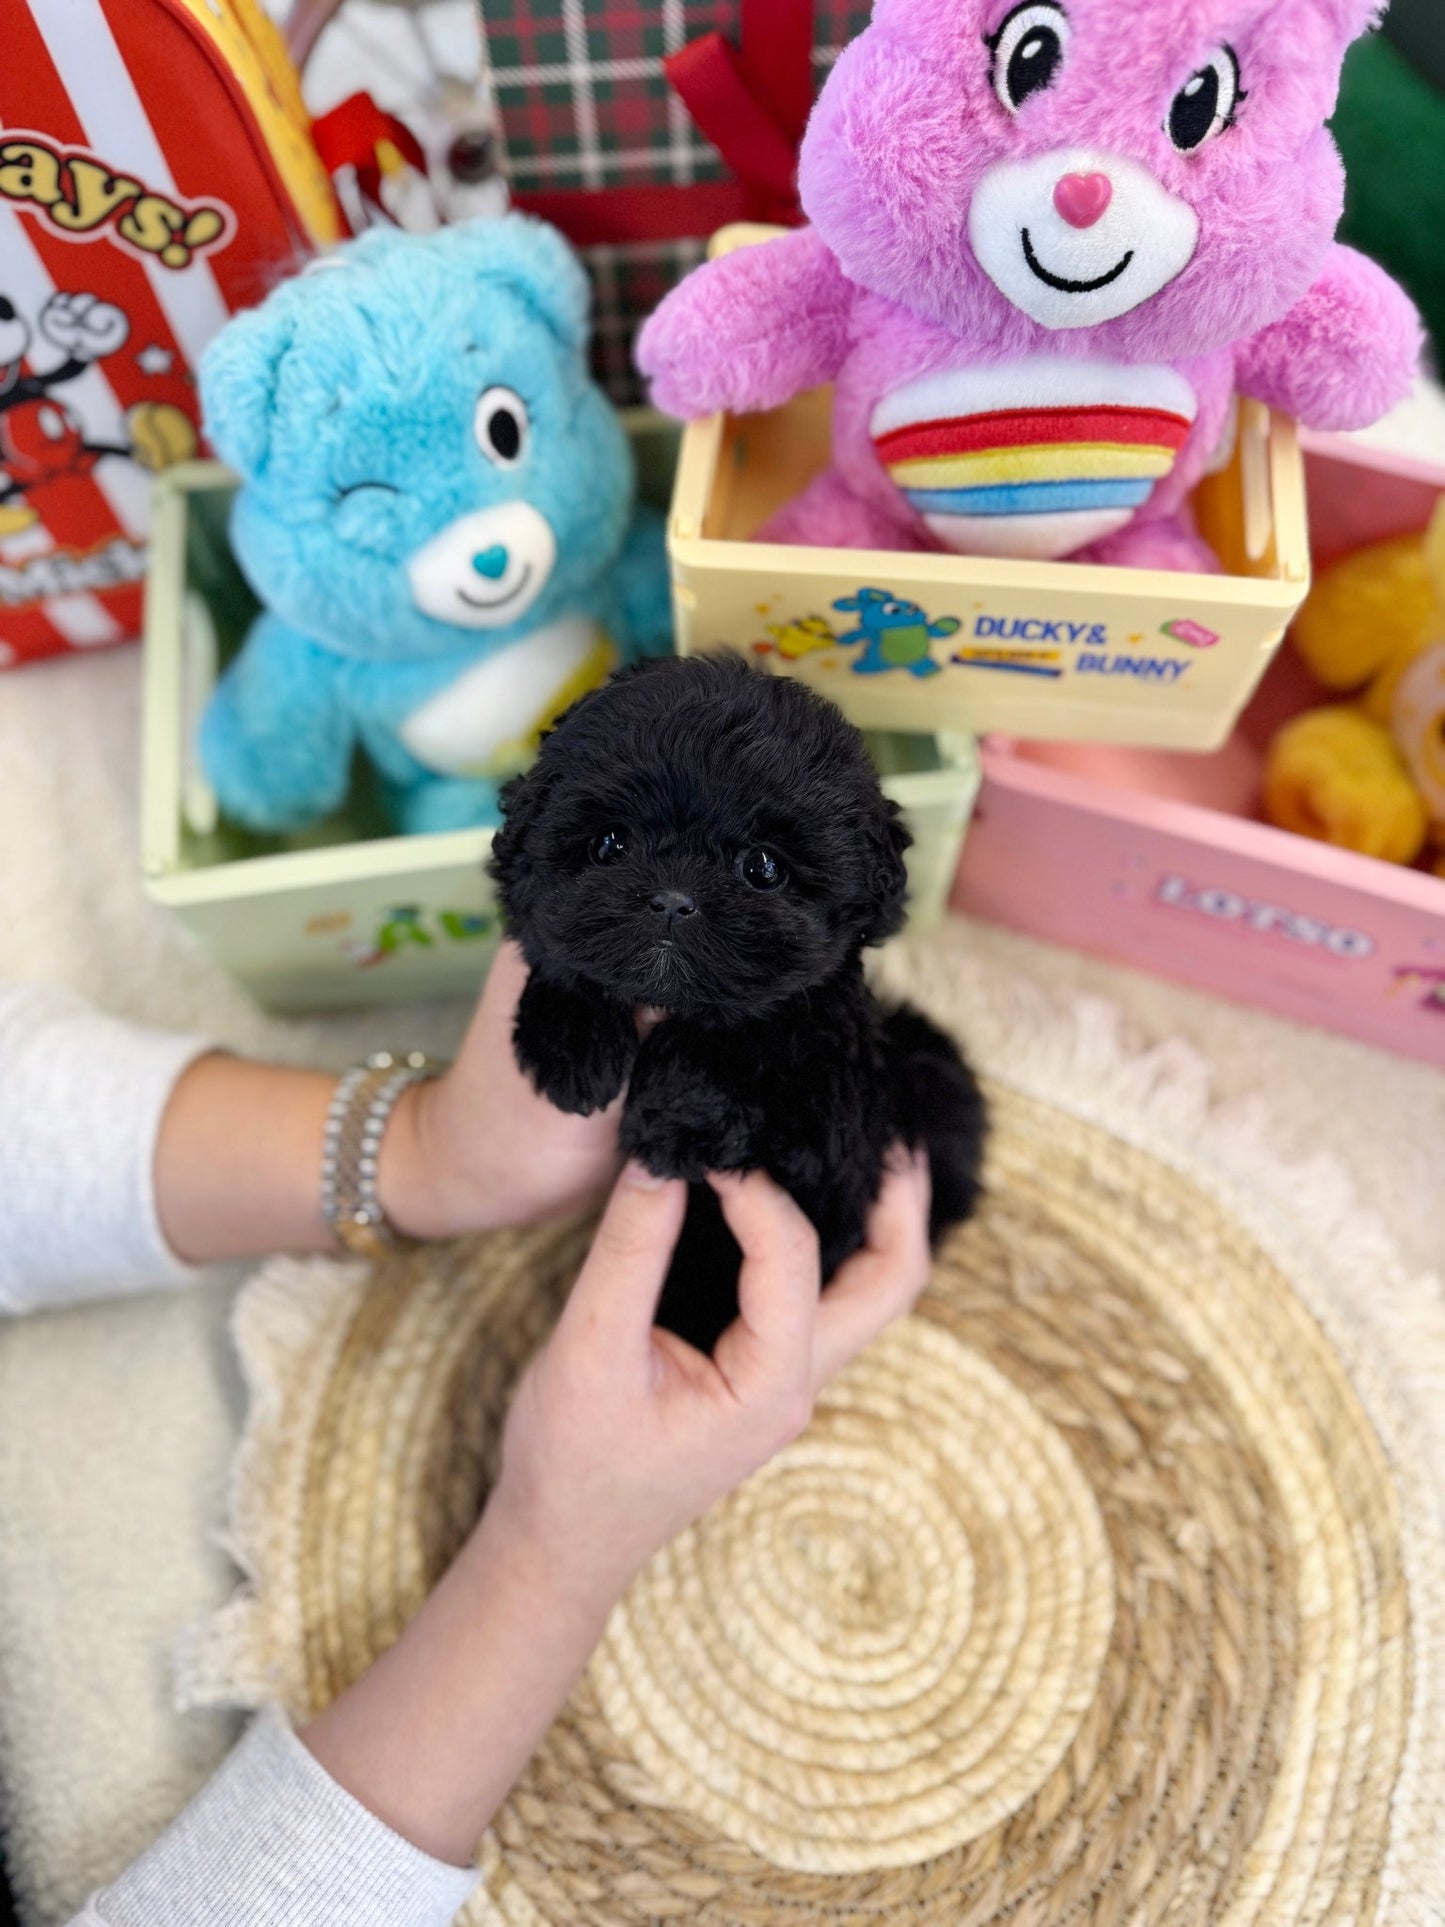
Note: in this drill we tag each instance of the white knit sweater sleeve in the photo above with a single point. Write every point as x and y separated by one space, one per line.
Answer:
273 1841
81 1098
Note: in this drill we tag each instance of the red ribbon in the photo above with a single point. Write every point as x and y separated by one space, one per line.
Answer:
752 102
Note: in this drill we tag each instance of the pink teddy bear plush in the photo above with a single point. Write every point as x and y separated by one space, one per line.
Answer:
1049 242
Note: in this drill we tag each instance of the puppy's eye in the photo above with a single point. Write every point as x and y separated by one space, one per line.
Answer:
1028 51
1206 105
761 870
609 847
501 427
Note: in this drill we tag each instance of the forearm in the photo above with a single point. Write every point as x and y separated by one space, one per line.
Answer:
238 1161
127 1155
238 1165
433 1737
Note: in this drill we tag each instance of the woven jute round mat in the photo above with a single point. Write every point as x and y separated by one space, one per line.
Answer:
1106 1588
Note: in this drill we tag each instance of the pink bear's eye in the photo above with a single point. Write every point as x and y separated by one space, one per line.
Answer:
1206 105
1028 51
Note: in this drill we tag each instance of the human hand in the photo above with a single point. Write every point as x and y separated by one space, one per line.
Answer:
621 1435
479 1148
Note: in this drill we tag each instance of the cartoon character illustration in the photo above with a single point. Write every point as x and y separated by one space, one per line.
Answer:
1048 243
797 639
898 634
41 438
438 515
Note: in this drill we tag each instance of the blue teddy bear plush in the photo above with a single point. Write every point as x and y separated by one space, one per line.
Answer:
437 514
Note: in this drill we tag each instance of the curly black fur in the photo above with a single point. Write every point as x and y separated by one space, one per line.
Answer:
629 872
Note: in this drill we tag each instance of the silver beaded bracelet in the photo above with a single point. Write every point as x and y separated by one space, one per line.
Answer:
361 1108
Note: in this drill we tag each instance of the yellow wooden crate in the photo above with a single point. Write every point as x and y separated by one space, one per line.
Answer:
1051 650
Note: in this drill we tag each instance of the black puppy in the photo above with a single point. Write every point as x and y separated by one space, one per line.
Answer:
703 838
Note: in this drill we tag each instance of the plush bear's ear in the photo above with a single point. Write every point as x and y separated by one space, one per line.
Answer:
1354 17
887 839
239 373
534 259
536 263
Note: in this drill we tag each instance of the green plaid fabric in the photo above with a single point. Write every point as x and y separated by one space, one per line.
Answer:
583 103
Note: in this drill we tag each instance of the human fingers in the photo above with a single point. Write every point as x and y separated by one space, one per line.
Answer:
614 1301
505 983
486 1063
884 1279
768 1351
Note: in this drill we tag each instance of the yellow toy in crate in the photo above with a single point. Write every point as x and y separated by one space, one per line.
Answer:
921 641
1370 776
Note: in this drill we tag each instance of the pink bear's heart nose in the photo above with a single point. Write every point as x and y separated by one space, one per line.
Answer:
1083 199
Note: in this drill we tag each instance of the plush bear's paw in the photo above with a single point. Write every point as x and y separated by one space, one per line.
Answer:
1162 543
448 803
266 785
831 515
684 380
576 1049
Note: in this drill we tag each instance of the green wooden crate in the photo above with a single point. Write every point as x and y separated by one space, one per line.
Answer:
348 913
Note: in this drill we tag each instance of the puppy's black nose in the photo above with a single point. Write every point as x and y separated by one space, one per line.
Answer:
672 904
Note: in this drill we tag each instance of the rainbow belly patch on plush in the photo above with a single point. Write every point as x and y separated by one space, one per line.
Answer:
1034 459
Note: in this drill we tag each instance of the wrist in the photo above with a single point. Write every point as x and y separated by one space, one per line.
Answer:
418 1182
406 1178
575 1581
238 1161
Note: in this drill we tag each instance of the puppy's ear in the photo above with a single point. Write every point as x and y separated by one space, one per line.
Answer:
522 803
887 839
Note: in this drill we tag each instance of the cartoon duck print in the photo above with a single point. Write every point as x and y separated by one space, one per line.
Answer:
797 639
898 633
41 438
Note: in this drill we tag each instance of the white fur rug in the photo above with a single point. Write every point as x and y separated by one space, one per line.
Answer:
117 1424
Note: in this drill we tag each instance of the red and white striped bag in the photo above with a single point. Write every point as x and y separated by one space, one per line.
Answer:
156 173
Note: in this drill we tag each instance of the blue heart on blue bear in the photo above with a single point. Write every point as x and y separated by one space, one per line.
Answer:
492 562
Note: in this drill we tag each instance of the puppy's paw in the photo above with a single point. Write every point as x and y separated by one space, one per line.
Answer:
576 1049
682 1119
674 1148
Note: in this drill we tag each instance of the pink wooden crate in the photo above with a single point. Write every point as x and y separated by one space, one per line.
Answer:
1156 859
